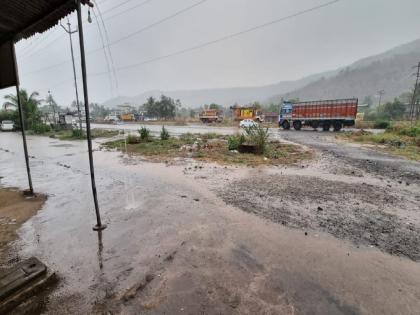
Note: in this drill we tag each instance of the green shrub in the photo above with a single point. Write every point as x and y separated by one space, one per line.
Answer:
132 139
382 124
164 134
235 141
144 133
258 136
409 131
188 138
77 134
41 128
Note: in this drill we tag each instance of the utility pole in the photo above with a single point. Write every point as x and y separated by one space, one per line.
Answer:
70 32
414 110
380 93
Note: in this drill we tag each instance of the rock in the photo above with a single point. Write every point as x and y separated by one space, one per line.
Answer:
196 199
320 209
306 233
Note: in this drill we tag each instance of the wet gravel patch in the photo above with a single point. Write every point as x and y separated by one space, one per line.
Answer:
362 213
360 159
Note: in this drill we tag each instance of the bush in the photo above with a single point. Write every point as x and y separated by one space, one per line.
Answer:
144 133
132 139
257 136
235 141
164 134
410 131
382 124
41 128
77 134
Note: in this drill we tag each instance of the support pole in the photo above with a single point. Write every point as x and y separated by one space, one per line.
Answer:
29 192
25 147
99 226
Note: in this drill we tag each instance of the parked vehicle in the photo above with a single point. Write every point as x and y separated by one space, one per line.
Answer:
247 112
111 118
7 125
324 114
127 117
247 123
211 115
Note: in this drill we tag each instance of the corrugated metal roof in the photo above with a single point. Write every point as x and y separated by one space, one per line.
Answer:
23 18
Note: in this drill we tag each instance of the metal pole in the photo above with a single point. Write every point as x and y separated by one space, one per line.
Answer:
29 192
413 100
99 226
70 32
25 148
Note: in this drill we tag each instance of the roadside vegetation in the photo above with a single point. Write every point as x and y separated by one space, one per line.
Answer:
76 134
212 147
400 139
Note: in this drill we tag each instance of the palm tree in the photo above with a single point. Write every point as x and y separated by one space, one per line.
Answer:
29 103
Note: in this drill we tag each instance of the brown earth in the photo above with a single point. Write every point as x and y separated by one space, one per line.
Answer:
15 209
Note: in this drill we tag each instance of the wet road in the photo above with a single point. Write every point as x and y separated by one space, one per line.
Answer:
172 246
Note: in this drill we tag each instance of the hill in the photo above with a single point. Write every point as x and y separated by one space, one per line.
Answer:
390 71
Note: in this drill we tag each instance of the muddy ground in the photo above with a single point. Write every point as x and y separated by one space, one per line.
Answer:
195 238
15 209
369 201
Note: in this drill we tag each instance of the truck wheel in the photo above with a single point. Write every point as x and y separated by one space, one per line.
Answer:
337 126
315 124
285 125
326 126
297 124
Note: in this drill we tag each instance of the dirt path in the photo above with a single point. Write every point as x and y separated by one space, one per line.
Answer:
15 209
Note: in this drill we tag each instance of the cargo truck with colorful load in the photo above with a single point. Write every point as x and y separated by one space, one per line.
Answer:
325 114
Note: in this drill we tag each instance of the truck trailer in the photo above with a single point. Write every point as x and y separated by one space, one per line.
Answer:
325 114
211 115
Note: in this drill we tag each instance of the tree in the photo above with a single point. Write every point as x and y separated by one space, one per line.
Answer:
192 113
30 111
53 107
98 111
272 108
215 106
392 110
164 108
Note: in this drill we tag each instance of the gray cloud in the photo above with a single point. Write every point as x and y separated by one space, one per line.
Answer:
325 39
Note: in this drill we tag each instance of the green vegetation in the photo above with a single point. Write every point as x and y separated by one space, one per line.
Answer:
144 133
41 128
164 134
75 134
30 104
403 140
258 136
165 108
210 147
235 141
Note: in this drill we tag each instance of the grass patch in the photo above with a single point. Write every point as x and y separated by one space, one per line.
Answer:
402 140
211 148
76 135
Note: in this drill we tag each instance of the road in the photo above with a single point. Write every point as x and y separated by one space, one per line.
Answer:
194 238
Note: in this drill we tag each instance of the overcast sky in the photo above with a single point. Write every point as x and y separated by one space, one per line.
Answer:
321 40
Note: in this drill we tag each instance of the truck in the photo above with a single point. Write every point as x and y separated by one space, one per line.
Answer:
211 115
247 112
325 113
127 117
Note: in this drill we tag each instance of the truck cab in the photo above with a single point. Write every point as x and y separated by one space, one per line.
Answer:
285 115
